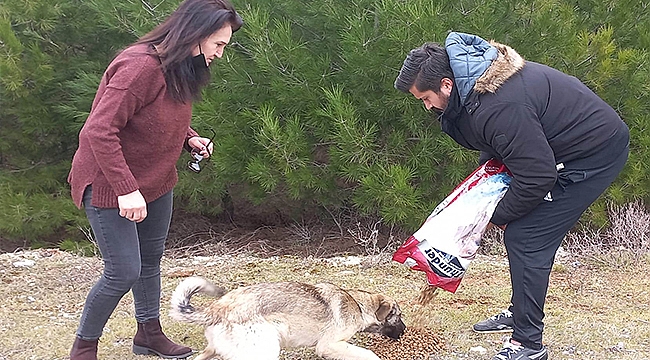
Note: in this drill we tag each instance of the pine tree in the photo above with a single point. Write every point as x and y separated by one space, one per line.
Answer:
303 102
52 55
318 77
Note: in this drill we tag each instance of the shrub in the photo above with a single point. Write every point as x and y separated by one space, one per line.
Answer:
626 241
303 101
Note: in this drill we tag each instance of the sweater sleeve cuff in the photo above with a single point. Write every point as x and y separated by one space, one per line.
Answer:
125 187
190 134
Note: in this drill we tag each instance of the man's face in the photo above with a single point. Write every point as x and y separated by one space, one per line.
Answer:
432 100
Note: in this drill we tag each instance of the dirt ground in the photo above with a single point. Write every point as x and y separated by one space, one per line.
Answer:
593 312
595 309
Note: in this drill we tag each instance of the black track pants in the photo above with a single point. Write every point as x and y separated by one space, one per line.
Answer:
531 241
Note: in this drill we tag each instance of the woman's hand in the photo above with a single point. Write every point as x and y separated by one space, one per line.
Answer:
132 206
202 145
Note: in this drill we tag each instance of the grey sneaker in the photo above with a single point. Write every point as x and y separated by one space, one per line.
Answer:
501 322
511 351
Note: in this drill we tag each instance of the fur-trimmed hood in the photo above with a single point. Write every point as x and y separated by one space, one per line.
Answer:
480 65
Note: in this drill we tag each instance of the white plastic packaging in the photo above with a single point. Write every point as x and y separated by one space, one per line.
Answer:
449 239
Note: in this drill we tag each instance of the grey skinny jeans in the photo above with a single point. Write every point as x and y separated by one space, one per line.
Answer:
131 253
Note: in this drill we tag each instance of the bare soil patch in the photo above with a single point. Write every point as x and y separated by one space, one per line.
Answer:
264 235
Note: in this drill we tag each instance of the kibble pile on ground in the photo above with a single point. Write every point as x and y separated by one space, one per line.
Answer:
415 344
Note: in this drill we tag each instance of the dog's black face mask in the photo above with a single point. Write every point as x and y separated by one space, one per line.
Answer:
391 326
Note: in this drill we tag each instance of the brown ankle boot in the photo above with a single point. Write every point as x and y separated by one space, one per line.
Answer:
150 340
83 350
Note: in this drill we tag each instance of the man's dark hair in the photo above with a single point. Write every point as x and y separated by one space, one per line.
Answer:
175 38
424 67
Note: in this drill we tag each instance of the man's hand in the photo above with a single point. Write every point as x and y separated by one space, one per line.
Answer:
132 206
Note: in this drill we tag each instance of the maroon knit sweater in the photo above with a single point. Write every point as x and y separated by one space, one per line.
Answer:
134 134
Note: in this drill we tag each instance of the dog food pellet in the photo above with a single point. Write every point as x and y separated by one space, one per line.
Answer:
415 344
427 294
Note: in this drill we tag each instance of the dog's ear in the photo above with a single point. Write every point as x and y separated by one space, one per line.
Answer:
384 308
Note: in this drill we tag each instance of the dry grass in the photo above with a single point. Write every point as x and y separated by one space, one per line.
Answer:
626 241
593 311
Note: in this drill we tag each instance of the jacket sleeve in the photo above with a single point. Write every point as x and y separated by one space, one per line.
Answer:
514 132
484 157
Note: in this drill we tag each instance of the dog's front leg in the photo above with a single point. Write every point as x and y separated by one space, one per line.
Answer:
207 354
341 350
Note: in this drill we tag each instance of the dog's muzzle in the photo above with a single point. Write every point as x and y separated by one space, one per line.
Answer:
393 329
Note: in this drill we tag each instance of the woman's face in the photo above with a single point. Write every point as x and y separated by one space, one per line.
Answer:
213 45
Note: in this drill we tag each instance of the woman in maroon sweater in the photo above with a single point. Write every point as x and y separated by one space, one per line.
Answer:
124 170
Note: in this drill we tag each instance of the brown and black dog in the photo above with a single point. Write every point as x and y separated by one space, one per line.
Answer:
255 322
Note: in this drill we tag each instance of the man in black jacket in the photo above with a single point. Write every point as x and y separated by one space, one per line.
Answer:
563 144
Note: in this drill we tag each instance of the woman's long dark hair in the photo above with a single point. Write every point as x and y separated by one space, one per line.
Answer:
179 34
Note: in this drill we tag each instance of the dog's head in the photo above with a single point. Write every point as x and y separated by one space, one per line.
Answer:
389 318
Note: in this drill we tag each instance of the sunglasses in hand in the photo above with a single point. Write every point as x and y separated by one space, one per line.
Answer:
194 164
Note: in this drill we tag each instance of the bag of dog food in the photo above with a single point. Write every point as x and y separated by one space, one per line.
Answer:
447 242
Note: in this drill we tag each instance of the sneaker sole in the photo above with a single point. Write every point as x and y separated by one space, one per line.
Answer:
492 331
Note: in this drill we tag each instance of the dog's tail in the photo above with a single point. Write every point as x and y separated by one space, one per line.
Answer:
182 310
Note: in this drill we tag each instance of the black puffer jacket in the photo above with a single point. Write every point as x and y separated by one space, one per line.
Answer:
531 117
